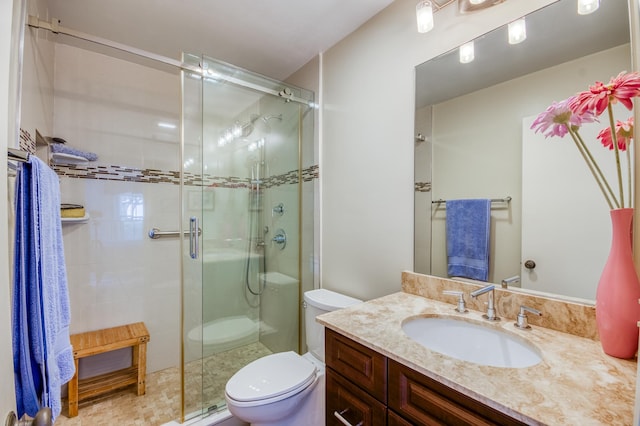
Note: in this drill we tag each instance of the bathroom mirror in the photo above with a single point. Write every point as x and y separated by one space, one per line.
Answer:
475 118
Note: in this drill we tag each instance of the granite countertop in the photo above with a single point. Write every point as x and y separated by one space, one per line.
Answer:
575 384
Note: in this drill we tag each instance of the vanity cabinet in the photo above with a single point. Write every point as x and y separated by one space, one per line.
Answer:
357 379
426 401
352 404
365 388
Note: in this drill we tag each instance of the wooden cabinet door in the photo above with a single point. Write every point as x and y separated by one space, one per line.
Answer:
425 401
395 420
357 363
355 406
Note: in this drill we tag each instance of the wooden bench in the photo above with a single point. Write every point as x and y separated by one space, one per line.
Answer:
96 342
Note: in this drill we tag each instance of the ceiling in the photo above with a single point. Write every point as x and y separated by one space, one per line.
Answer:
555 34
271 37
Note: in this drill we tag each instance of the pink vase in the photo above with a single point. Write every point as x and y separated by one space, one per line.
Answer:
617 307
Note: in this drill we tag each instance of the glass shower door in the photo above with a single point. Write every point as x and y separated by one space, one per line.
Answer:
242 182
191 190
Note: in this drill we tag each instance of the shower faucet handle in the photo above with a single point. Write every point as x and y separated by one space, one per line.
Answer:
280 239
462 306
279 209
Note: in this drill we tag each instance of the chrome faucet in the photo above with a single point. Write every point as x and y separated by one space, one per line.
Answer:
522 317
491 310
462 307
510 280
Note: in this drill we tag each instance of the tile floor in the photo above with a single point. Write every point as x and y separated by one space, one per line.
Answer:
161 403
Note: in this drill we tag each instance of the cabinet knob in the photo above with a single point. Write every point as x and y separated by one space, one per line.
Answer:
529 264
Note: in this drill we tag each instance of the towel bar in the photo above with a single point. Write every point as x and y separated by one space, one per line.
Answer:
17 155
155 233
506 199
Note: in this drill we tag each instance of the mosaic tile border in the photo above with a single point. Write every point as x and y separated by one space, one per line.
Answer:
422 186
27 142
128 174
310 173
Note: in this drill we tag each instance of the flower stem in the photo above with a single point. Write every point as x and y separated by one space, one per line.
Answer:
593 166
629 172
614 137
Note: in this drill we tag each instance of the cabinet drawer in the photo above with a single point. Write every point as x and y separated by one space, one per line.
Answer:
352 403
422 400
357 363
395 420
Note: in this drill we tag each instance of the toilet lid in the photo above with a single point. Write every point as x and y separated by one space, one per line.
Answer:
271 376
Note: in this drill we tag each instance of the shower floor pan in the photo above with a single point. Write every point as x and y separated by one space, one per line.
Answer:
224 334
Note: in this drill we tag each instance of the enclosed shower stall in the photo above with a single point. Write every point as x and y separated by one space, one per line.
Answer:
241 195
195 209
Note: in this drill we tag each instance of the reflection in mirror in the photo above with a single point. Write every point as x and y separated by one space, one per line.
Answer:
476 118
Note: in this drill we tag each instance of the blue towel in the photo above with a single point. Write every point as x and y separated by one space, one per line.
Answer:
43 356
468 232
64 149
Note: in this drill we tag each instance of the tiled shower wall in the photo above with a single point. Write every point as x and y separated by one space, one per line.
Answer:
116 273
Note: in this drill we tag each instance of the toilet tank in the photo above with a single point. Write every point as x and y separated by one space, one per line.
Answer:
318 302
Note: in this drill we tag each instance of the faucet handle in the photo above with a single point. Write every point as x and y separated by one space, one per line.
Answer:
522 317
511 280
462 306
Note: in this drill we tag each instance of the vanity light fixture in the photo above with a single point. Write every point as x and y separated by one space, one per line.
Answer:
586 7
425 9
467 53
424 15
468 6
517 31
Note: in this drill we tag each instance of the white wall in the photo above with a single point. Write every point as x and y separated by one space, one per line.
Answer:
37 74
367 140
7 139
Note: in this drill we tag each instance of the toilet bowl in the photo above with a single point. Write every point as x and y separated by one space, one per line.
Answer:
286 388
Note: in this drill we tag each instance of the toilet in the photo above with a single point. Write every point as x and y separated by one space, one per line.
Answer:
286 388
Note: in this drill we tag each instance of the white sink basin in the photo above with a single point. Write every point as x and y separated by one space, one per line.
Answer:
471 342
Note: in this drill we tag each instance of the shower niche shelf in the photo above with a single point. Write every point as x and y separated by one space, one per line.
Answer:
82 219
61 158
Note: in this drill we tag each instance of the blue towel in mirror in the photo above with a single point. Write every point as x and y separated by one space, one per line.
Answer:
468 232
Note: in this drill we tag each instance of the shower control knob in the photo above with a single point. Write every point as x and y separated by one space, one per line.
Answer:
278 210
529 264
280 239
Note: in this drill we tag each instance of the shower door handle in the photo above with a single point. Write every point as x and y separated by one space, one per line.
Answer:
193 237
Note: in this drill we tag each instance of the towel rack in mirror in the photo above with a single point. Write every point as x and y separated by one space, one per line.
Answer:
506 199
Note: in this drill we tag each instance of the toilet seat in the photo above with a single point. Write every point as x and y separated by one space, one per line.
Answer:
270 379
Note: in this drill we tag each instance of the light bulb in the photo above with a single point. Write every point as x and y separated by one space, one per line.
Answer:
476 1
586 7
466 53
517 31
424 15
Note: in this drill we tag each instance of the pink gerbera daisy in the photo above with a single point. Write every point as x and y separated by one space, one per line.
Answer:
624 135
554 121
621 89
